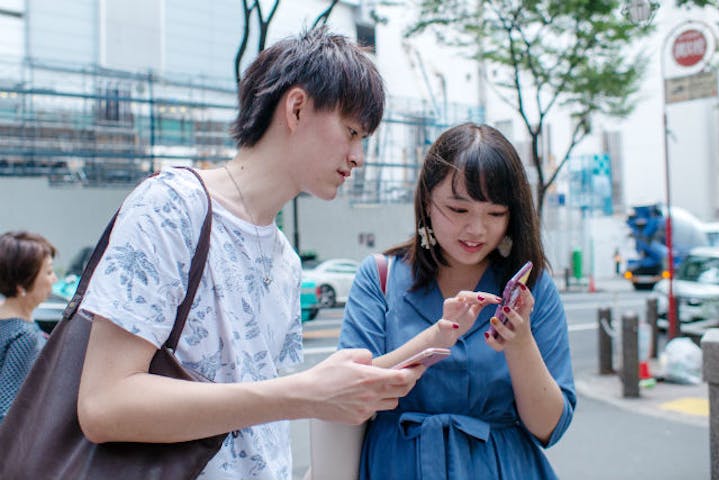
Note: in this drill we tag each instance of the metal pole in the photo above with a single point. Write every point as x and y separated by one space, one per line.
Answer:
652 314
671 305
604 318
710 357
630 355
672 301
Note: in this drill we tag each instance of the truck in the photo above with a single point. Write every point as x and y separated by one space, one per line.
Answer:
647 224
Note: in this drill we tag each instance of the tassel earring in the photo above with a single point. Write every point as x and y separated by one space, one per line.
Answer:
426 236
505 246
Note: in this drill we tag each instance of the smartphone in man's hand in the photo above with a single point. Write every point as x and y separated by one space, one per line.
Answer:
427 357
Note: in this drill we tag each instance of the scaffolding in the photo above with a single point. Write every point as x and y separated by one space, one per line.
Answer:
96 127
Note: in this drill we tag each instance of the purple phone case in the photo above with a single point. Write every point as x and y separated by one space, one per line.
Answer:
510 295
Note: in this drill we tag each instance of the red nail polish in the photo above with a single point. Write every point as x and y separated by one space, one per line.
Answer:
480 298
486 335
505 309
522 286
455 326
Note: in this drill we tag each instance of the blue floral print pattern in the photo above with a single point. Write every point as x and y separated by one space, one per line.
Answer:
238 329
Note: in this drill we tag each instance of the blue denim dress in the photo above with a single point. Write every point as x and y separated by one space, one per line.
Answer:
460 421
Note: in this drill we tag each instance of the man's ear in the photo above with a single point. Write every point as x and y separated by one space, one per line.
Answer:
296 101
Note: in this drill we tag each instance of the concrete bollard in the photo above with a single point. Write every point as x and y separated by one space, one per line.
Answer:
652 315
630 355
710 367
604 338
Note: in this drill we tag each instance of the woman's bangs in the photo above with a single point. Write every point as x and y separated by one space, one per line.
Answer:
485 177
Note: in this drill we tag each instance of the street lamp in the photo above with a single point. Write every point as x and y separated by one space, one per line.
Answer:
640 12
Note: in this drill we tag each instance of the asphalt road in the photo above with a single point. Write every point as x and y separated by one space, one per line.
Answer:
605 441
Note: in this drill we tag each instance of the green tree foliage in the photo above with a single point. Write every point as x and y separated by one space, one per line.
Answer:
547 53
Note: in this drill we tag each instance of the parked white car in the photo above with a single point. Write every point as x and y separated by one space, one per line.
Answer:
333 278
696 287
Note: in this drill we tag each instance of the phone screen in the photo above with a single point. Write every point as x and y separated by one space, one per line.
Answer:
511 294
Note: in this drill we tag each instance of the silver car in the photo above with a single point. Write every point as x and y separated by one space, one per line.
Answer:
696 287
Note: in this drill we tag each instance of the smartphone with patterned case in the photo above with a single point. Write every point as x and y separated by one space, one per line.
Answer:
510 295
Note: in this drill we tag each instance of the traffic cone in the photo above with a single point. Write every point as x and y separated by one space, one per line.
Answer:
645 378
592 287
644 371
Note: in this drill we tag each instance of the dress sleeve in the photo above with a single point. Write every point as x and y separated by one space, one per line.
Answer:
549 326
20 356
143 276
364 319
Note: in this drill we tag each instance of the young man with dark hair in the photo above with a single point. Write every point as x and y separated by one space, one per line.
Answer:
306 103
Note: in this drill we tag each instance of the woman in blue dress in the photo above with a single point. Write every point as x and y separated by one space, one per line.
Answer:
489 409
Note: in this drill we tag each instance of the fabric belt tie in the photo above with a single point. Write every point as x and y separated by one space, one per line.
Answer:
429 428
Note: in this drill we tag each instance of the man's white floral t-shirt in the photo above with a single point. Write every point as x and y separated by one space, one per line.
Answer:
238 330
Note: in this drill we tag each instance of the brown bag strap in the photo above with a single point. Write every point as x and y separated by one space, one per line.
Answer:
197 267
382 268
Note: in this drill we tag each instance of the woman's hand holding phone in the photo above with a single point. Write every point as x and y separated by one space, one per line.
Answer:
510 322
459 314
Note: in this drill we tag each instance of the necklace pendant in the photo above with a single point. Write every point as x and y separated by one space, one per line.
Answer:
266 280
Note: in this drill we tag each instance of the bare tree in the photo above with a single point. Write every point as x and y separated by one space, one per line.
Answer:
263 25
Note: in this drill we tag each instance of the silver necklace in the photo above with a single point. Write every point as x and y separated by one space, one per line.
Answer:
266 263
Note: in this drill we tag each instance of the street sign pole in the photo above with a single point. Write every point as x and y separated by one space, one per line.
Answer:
689 50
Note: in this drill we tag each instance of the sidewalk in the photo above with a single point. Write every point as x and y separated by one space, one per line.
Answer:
584 285
685 403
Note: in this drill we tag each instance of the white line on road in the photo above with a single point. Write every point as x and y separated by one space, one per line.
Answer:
580 327
319 350
331 349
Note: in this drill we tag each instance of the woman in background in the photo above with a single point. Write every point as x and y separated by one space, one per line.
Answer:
26 278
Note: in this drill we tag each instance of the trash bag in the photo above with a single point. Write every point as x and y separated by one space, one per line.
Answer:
682 361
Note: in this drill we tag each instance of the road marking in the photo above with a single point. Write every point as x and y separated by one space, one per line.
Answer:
689 405
319 350
580 327
334 332
325 333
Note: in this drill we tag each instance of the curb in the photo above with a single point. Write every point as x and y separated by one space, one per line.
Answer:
655 401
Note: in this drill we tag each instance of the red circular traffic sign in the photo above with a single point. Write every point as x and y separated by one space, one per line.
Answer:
689 48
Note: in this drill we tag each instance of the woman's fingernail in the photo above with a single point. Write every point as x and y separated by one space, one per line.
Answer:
455 326
522 286
493 320
480 298
505 309
486 335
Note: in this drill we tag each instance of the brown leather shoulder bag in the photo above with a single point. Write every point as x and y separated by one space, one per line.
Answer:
40 437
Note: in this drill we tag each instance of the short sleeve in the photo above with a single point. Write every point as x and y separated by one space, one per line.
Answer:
143 275
549 326
364 319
